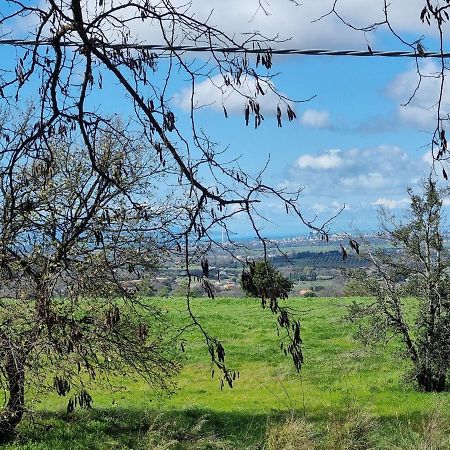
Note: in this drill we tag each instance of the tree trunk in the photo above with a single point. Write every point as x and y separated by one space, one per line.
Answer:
13 412
430 380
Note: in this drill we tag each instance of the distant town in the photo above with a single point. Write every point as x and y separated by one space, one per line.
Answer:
315 265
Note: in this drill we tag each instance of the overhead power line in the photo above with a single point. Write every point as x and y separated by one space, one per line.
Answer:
274 51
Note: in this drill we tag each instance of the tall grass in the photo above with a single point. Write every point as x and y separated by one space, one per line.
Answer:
292 434
351 431
176 433
432 432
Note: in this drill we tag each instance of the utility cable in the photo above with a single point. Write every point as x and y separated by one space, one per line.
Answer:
273 51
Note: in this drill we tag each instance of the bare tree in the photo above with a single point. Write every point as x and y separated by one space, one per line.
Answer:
418 272
74 50
99 40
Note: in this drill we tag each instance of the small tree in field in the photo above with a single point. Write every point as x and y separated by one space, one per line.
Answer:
69 239
260 279
424 263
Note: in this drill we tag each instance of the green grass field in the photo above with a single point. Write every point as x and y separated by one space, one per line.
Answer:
346 396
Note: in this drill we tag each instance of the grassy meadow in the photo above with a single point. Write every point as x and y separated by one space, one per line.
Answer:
346 396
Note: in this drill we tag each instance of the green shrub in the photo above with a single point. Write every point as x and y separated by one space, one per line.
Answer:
261 279
310 294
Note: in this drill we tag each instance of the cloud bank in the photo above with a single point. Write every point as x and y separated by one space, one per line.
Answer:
363 179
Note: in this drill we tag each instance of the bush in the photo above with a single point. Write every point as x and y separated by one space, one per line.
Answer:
262 280
310 294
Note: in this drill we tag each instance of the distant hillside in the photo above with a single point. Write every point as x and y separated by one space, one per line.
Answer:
330 259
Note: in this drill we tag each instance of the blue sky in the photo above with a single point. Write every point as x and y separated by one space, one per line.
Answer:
356 114
353 144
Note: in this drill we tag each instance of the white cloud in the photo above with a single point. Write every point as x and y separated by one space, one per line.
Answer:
286 20
319 208
330 160
404 15
214 93
369 167
279 18
315 119
360 177
339 206
372 180
392 203
428 158
331 208
421 109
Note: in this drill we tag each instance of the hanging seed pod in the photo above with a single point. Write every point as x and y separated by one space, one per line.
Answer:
220 352
84 400
112 317
169 121
61 385
205 267
142 331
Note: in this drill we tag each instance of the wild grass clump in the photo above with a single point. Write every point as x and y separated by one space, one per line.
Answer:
351 431
433 433
166 434
293 434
